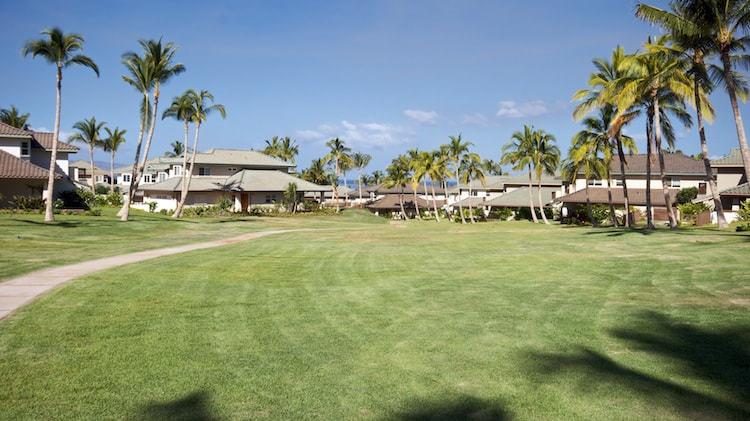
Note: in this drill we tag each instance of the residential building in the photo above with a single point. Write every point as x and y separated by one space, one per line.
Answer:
80 171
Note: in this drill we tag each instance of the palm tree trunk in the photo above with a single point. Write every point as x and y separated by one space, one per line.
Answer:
401 202
91 162
471 209
134 183
460 207
185 152
186 183
662 170
649 152
621 155
129 195
612 214
531 198
416 205
720 219
434 204
49 215
541 205
336 187
736 110
359 183
424 183
594 222
112 172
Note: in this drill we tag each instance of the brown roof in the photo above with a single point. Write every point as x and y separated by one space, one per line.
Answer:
390 201
13 167
8 130
734 159
44 141
381 189
674 163
743 190
637 197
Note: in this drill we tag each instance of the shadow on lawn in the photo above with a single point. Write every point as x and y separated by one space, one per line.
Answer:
717 357
459 408
193 407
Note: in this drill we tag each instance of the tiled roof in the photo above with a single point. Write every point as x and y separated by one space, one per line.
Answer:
152 165
636 197
8 130
741 190
245 180
239 157
472 200
381 189
733 159
391 201
87 166
520 197
498 182
44 141
14 167
674 163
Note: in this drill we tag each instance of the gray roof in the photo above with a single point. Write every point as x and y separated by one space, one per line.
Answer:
733 159
239 157
741 190
152 165
471 200
498 182
520 197
674 164
245 180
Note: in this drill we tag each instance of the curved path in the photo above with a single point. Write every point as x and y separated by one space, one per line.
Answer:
17 292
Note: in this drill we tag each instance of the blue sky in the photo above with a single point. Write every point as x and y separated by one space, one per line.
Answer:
383 75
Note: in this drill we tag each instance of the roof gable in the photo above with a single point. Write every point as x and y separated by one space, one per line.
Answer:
733 159
674 164
14 167
10 131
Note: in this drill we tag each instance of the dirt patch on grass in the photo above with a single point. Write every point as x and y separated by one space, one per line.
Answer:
742 302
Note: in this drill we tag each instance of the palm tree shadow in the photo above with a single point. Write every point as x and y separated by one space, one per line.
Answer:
716 357
193 407
459 408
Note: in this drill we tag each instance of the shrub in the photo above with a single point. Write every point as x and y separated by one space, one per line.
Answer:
225 203
27 203
690 210
58 204
578 214
743 214
152 206
101 189
163 211
686 195
502 214
75 199
525 213
114 199
94 212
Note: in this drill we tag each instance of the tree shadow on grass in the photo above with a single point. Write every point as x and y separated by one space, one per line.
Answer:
193 407
62 224
458 408
717 357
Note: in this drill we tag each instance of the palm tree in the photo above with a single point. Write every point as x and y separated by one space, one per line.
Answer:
288 150
291 196
456 148
316 173
273 147
337 156
88 133
182 109
491 167
518 153
59 49
659 82
470 170
416 176
377 177
346 164
178 150
361 160
201 111
434 164
583 158
599 96
693 47
114 139
13 117
159 58
546 159
398 175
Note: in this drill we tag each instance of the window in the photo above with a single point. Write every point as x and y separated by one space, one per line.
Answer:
162 176
126 178
270 198
595 183
24 148
232 169
147 178
177 170
701 188
674 183
204 171
618 182
554 194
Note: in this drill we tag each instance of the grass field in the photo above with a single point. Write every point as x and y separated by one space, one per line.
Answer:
420 321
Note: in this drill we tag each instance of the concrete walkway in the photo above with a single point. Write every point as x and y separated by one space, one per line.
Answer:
17 292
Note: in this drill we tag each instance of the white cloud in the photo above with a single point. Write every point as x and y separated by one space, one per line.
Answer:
366 135
422 116
513 109
477 119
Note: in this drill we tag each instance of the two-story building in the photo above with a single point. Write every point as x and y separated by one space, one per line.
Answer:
24 163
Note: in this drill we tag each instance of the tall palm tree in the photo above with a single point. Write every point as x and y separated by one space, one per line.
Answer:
377 177
288 149
361 160
201 110
456 148
435 164
178 150
114 139
546 159
659 81
413 156
13 117
398 175
491 167
273 147
182 109
689 44
338 155
88 133
346 164
518 153
60 49
160 59
471 169
583 157
599 96
316 173
290 194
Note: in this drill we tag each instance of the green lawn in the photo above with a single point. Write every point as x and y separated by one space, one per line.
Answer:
28 244
421 321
